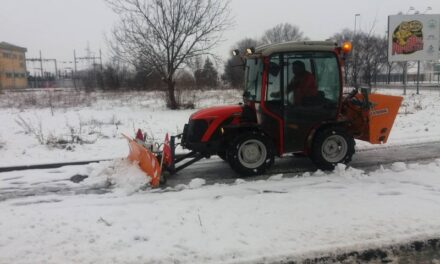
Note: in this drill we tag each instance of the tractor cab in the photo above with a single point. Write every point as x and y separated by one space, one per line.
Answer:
294 88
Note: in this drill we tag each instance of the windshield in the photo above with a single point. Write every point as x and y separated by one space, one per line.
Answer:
253 75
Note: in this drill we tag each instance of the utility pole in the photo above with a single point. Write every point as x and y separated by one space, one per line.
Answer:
74 60
354 52
405 71
74 74
56 69
100 59
41 65
418 75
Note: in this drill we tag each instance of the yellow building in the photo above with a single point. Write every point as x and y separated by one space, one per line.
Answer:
12 66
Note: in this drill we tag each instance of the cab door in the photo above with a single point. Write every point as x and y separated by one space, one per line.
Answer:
301 118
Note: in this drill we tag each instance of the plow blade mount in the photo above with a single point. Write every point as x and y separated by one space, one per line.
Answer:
146 159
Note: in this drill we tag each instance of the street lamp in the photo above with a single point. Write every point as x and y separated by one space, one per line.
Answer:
427 9
354 50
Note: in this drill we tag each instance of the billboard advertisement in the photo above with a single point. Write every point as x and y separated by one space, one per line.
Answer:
413 37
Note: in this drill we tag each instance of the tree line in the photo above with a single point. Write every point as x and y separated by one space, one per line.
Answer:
167 45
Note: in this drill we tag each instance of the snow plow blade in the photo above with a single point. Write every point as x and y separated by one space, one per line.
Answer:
146 159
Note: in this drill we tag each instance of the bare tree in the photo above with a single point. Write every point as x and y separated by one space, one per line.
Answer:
368 59
164 34
281 33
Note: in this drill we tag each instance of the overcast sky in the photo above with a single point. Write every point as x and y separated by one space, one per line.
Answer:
56 27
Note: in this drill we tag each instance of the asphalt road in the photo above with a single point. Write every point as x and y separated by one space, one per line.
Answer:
215 170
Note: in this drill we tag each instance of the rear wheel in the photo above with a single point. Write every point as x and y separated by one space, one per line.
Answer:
332 146
250 154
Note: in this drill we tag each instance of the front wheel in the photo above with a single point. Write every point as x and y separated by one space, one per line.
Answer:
332 146
250 154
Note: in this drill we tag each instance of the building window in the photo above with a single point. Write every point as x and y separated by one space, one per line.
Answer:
17 75
8 75
6 55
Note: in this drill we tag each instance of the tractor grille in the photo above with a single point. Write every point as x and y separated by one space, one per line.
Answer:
196 129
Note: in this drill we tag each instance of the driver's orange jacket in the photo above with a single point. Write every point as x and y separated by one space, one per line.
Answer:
303 86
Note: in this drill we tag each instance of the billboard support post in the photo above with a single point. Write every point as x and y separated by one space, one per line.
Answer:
418 76
405 79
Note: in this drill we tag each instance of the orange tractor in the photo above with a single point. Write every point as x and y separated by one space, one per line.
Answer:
280 115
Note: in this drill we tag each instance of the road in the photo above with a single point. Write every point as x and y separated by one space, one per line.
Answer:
215 170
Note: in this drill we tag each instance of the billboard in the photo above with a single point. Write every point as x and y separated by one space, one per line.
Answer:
413 37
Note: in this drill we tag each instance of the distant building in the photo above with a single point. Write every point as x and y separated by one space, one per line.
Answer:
12 66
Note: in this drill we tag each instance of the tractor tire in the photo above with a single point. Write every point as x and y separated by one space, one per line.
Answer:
250 154
332 146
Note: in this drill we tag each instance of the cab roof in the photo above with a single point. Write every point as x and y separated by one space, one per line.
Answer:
269 49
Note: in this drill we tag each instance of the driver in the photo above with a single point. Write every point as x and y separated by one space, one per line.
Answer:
302 85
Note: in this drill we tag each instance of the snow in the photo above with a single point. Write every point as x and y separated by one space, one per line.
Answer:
100 124
125 176
113 216
276 177
255 221
398 166
196 183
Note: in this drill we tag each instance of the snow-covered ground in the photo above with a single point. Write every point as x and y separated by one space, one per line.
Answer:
280 218
99 123
256 221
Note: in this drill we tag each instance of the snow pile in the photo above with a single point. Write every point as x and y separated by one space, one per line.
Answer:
342 170
277 177
398 166
196 183
124 176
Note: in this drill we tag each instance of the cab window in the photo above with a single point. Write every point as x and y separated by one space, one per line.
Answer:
253 79
322 67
